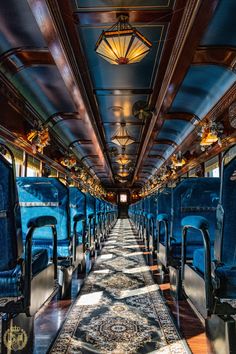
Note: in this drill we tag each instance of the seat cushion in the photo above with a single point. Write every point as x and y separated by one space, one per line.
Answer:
198 259
176 249
39 260
63 247
10 280
227 276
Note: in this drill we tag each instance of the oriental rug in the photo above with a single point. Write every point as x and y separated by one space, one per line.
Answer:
120 309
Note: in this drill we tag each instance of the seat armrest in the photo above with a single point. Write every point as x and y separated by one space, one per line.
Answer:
40 221
162 217
33 224
150 216
78 217
199 223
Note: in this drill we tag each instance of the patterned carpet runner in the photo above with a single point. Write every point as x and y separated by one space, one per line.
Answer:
120 308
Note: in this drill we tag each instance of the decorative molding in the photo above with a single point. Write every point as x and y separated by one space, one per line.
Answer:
216 112
196 16
60 117
17 101
223 104
58 30
188 117
156 156
18 59
216 56
107 17
164 142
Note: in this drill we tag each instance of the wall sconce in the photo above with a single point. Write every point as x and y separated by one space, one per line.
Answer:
210 133
68 161
178 160
39 139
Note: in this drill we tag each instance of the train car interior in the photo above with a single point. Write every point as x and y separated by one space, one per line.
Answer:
117 176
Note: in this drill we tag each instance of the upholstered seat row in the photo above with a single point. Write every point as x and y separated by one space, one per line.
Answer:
43 224
195 235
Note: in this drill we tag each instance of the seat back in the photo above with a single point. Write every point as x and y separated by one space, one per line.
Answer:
146 205
98 208
44 196
163 207
77 206
198 196
225 241
90 205
152 205
11 246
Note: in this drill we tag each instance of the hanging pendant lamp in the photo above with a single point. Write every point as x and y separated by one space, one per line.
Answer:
122 44
122 137
123 173
123 158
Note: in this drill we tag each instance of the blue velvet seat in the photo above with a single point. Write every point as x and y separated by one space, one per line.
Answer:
11 280
198 259
77 205
191 196
91 221
20 265
46 196
213 270
98 221
163 208
151 209
225 244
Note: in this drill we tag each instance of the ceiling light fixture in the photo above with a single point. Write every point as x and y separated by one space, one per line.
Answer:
122 44
122 137
123 173
123 158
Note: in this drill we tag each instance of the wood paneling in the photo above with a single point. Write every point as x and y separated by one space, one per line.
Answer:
195 19
215 56
111 17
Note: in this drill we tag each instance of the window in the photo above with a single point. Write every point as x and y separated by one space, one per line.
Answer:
53 172
212 167
18 157
33 167
123 198
192 173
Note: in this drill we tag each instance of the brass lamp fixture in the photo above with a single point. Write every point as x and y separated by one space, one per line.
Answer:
68 161
39 138
123 173
122 137
123 159
178 160
123 180
122 44
210 133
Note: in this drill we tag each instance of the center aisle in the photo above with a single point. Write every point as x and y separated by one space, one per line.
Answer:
120 308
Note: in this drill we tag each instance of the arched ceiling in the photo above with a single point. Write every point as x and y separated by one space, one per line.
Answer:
47 57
